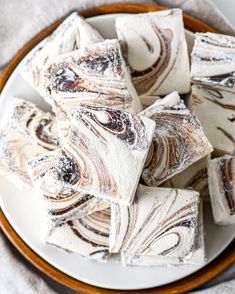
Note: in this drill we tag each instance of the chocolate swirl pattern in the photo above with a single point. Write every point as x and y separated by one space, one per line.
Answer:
73 34
156 51
70 207
88 236
160 227
195 177
216 111
105 160
53 175
221 173
213 60
26 132
126 127
61 202
119 153
177 133
98 76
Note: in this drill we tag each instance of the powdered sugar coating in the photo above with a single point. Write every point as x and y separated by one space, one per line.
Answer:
88 236
178 141
107 158
155 49
215 109
53 176
194 177
213 60
26 132
221 172
160 227
98 76
73 34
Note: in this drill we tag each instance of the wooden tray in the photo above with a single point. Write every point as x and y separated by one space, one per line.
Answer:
202 276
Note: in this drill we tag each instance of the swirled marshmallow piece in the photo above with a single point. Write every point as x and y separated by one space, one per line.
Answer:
25 132
161 227
194 177
61 204
213 60
178 140
103 155
98 76
88 236
215 108
221 172
74 33
155 49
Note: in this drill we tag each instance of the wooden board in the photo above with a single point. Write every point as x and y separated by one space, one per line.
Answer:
195 280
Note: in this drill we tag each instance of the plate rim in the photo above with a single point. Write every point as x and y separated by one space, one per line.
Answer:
223 261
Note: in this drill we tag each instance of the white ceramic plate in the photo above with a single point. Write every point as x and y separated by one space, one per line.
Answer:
24 212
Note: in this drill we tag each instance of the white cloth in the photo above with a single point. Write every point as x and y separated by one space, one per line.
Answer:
223 288
204 10
19 22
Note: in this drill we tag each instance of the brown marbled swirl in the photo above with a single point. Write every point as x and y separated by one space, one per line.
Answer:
98 77
92 168
33 122
55 176
26 132
194 177
102 150
88 236
155 51
215 108
104 141
146 79
226 169
72 34
76 205
221 173
160 227
123 125
213 60
178 141
58 175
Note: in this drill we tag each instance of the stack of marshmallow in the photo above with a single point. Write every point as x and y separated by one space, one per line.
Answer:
97 162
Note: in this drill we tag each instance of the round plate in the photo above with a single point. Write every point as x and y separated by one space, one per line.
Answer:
21 216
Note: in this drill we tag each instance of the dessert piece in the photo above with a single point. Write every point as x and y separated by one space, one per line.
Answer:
25 132
161 227
88 236
62 204
178 140
216 111
98 76
213 60
194 177
74 33
156 51
103 155
61 208
221 176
